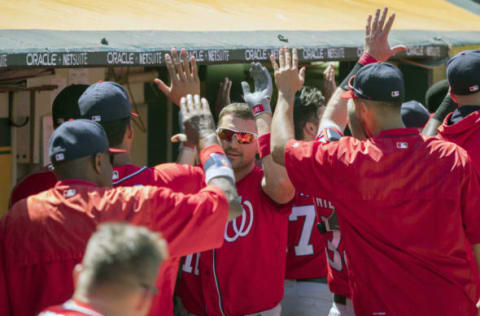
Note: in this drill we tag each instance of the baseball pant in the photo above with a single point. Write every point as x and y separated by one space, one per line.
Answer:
276 311
306 299
342 310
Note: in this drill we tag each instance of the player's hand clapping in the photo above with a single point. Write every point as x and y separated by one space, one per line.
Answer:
197 118
376 37
259 100
287 76
183 76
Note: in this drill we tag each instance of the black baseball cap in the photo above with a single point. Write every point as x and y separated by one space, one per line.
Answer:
463 72
77 139
377 82
414 114
105 101
65 105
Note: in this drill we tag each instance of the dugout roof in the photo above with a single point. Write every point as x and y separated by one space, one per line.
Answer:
82 33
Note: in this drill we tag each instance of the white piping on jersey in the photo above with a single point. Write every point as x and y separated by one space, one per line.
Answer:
71 305
131 175
220 304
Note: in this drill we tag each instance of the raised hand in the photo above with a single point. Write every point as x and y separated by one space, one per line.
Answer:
197 118
259 100
376 37
183 76
287 76
223 94
329 85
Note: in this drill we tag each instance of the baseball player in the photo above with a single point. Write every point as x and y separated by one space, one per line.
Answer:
246 275
64 108
117 273
402 258
44 236
108 104
306 290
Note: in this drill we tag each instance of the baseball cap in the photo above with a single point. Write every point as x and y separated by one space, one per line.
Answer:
77 139
377 82
463 72
105 101
65 105
414 114
435 95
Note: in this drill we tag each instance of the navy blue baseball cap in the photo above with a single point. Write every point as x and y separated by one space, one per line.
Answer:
65 105
377 82
105 102
414 114
77 139
463 72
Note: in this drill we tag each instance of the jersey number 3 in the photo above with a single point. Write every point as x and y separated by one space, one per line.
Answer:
304 247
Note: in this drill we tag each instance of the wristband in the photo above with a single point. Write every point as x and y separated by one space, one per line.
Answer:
218 165
264 145
447 106
207 151
261 108
187 147
364 60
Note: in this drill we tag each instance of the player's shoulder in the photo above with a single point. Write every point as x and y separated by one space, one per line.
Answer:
439 148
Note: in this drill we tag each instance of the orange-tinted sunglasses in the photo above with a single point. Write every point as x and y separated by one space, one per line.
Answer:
242 137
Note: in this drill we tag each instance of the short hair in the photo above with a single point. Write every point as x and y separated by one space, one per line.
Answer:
121 250
115 131
307 101
239 110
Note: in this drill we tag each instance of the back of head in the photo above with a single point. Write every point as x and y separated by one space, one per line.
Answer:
308 100
121 258
108 104
435 94
65 106
239 110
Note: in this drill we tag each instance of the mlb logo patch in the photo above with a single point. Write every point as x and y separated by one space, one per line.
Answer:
69 193
115 175
395 93
474 88
402 145
96 118
258 109
59 157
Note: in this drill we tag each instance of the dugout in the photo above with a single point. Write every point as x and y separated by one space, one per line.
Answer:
48 44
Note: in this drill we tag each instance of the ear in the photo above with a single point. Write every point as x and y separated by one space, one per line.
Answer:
98 163
76 273
453 96
310 129
129 131
143 301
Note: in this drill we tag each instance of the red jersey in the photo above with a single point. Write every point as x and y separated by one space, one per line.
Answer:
246 275
32 184
45 235
336 256
465 133
406 205
71 308
305 252
180 178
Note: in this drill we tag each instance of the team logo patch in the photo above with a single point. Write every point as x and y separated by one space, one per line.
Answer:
69 193
96 118
258 109
59 157
115 175
395 93
402 145
240 226
474 88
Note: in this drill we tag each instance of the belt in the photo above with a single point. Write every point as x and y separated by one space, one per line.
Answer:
339 299
315 280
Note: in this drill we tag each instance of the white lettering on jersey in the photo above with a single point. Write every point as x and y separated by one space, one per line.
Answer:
304 247
187 265
244 228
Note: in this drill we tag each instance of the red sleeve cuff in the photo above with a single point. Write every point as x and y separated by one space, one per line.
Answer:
366 59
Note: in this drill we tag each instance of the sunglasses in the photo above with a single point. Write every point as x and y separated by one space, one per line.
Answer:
242 137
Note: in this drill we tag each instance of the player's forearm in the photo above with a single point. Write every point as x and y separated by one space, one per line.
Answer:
336 111
229 188
187 156
282 126
431 127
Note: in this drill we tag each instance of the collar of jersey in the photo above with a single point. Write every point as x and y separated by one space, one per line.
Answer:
70 182
399 132
466 123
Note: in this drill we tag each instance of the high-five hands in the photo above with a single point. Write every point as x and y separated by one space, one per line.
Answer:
183 76
287 76
376 37
259 101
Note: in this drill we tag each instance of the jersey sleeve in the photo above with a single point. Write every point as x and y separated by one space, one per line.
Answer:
189 222
471 206
310 166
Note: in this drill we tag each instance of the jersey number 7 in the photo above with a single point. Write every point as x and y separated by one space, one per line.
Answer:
304 247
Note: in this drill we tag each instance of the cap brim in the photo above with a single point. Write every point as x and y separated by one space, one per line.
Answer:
116 151
347 95
133 114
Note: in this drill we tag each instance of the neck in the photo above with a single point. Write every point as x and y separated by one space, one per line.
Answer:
121 159
243 172
104 305
384 124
